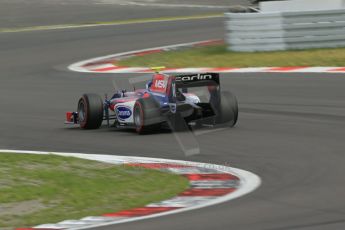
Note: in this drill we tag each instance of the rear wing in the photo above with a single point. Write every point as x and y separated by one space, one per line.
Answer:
196 80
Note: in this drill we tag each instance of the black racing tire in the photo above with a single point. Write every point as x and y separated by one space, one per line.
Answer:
227 109
146 115
90 111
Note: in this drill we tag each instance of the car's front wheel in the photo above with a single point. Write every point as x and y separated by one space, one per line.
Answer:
90 111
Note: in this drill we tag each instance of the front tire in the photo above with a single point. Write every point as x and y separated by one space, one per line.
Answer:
90 111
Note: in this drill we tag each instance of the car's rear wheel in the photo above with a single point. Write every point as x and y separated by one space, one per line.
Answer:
227 109
146 116
90 111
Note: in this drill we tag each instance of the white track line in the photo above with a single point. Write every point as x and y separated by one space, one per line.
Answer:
162 5
78 66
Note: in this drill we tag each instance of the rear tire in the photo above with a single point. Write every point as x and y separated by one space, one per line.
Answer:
227 109
90 111
146 115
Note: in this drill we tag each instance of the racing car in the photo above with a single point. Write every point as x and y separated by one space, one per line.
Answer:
179 101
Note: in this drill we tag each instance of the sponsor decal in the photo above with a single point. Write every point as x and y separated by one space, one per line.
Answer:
160 84
195 77
123 112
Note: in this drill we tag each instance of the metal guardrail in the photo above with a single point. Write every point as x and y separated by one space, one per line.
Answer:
249 32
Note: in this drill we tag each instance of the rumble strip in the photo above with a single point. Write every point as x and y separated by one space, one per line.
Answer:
210 184
108 64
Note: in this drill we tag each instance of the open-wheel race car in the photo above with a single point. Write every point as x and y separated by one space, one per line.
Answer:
179 101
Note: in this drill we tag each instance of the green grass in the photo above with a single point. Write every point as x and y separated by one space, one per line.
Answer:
37 189
218 56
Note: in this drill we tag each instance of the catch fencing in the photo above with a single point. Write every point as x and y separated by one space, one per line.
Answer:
249 32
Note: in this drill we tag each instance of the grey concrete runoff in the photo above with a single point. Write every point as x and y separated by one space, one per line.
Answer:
291 127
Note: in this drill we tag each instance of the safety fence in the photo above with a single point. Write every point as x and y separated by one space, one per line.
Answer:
249 32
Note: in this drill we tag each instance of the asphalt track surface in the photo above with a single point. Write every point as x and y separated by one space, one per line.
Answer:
24 13
291 127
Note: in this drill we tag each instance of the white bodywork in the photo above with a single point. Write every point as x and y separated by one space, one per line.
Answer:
125 107
191 98
124 111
